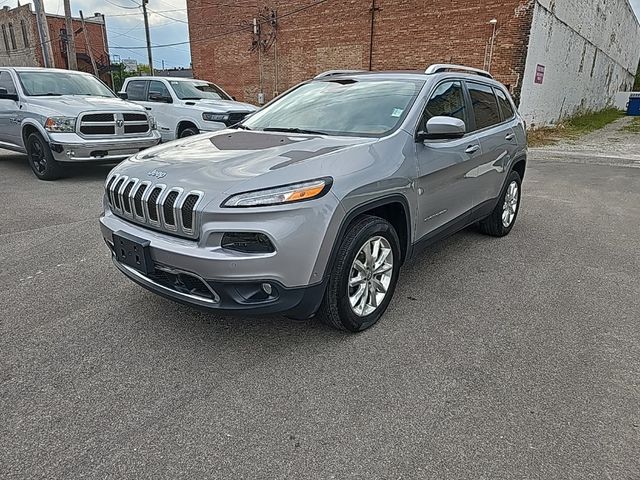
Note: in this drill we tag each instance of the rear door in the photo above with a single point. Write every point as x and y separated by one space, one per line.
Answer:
10 115
497 140
444 198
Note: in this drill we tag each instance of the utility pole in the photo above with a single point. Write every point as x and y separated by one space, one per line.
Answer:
72 61
86 40
148 35
43 30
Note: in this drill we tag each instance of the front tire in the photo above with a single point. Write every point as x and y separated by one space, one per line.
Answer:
504 215
363 279
41 159
188 132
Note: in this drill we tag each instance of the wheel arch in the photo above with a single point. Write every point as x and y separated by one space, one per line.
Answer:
29 127
185 123
393 208
520 166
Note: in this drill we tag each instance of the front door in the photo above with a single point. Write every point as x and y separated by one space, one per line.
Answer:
444 198
159 103
10 114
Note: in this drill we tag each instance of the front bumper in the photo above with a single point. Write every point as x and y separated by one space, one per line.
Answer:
72 148
203 274
235 297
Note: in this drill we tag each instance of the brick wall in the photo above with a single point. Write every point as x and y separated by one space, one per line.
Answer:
94 38
314 36
25 53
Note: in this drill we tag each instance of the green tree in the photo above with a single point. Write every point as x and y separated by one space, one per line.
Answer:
120 74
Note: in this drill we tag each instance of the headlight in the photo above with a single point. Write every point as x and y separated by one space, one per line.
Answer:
215 117
297 192
60 124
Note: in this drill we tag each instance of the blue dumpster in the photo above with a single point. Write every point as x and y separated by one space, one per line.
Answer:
633 108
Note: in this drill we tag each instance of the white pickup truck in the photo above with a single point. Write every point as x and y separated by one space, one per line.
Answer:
184 106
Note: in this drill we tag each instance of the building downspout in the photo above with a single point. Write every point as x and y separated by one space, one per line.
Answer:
373 10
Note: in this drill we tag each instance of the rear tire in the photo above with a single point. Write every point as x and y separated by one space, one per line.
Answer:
41 159
504 215
364 276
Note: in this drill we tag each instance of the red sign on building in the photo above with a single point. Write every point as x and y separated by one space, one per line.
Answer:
539 74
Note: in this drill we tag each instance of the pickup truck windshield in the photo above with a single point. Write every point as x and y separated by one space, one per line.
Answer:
198 91
38 84
367 108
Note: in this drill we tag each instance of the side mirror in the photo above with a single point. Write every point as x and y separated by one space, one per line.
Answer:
233 98
4 95
123 95
442 128
157 97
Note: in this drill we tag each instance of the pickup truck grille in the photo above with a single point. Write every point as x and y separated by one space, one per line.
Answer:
156 206
113 123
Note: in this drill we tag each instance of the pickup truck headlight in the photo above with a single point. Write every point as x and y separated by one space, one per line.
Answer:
215 117
297 192
60 124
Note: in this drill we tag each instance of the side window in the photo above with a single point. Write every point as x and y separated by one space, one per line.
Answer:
157 91
485 105
446 101
505 105
136 90
7 82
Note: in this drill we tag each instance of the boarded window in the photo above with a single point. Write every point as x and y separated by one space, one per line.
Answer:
25 35
12 34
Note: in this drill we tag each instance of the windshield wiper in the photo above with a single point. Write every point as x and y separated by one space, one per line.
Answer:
240 126
191 98
48 95
293 130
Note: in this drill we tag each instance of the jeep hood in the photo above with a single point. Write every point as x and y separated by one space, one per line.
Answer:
224 161
73 105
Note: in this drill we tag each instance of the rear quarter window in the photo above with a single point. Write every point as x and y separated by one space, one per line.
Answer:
136 90
505 105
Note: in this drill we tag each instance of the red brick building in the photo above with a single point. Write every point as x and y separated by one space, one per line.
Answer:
252 46
309 36
20 43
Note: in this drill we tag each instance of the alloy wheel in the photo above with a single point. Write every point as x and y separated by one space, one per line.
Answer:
38 157
370 276
510 206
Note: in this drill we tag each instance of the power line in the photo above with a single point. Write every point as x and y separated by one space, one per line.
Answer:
122 6
243 28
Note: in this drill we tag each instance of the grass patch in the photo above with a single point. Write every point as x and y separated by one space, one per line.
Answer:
574 127
633 127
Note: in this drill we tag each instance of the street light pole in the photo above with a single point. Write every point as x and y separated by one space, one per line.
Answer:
148 35
493 22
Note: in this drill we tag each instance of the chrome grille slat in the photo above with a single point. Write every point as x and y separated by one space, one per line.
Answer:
108 124
173 208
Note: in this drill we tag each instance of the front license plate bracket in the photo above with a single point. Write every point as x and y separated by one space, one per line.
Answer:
133 252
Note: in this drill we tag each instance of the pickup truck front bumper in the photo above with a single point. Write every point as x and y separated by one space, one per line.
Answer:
72 148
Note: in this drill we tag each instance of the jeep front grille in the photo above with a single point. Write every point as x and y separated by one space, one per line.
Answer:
157 206
113 123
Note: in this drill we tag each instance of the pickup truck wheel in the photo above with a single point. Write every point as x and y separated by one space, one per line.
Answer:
503 217
187 132
364 277
41 159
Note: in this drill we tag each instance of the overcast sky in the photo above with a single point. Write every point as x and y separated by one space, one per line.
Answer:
126 29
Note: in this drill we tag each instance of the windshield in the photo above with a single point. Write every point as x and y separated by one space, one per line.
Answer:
339 107
198 91
62 83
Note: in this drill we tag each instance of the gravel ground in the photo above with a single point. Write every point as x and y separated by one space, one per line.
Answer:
514 358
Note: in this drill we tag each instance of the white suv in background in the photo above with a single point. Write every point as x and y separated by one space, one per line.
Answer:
184 106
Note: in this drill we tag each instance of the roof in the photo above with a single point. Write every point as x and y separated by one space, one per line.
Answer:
44 69
172 79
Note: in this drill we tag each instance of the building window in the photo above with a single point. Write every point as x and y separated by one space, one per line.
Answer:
4 36
13 36
25 37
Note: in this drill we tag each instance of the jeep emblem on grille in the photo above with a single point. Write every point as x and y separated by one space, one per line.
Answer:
157 173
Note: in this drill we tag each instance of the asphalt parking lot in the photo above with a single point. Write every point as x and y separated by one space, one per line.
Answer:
514 358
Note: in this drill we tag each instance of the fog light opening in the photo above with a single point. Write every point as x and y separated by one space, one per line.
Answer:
266 287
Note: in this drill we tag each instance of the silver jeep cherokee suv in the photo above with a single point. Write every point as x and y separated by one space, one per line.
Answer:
313 203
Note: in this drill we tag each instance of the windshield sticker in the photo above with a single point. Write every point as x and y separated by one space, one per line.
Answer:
397 112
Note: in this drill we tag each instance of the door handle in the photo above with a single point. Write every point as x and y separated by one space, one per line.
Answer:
510 137
472 149
147 108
